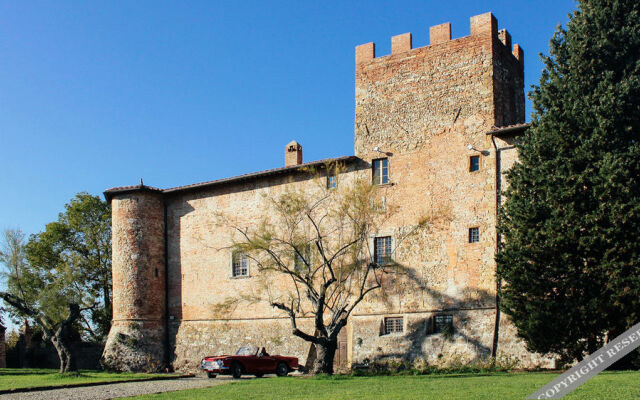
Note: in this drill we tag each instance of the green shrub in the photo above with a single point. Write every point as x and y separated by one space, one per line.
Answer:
420 366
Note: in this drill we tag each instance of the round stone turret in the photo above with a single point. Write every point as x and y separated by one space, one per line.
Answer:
136 341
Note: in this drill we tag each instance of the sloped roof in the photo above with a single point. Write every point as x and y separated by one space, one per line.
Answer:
109 193
514 129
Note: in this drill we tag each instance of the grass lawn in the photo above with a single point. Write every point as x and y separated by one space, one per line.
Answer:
607 385
13 378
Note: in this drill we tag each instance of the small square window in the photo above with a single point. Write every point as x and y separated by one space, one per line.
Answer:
382 250
240 265
474 235
299 263
332 182
443 323
393 325
380 171
474 163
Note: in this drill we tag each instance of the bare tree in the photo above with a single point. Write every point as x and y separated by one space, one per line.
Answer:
322 240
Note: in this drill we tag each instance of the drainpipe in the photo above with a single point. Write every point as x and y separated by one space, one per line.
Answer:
167 346
496 328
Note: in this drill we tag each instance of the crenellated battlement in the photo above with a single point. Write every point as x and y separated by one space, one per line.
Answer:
407 98
481 25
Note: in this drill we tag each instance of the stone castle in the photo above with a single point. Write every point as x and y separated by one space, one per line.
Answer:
441 120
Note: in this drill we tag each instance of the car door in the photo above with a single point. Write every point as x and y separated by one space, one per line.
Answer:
269 364
251 364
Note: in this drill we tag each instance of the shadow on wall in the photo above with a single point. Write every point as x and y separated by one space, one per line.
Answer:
174 274
473 319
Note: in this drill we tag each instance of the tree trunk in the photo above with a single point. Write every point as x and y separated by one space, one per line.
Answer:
61 340
496 326
106 295
67 359
325 353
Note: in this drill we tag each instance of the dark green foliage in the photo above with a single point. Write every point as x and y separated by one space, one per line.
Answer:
61 278
571 254
79 244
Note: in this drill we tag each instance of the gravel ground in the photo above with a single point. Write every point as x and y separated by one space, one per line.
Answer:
117 390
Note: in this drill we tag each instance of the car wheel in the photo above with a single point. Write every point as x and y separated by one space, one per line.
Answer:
236 370
282 369
211 375
259 375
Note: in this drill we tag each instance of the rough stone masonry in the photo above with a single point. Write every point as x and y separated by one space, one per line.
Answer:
445 116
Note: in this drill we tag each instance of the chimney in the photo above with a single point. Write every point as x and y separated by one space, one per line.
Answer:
292 154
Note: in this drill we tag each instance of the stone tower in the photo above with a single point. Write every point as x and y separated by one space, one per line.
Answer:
137 339
422 118
409 99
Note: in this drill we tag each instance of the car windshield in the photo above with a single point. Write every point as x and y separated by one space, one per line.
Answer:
247 351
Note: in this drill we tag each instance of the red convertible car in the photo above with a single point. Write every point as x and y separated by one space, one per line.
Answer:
249 360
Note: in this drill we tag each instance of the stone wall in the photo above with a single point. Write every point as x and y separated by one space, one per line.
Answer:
471 340
200 271
423 107
33 351
192 340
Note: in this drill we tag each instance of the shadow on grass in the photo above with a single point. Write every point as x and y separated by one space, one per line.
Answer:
38 371
416 375
27 371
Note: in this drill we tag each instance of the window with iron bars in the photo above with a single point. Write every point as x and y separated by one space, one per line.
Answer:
474 235
382 250
393 325
442 323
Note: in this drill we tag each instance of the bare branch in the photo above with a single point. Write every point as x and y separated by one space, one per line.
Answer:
294 326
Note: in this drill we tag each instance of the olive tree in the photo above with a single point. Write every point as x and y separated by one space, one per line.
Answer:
45 296
60 278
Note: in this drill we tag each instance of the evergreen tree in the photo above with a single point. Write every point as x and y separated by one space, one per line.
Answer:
570 260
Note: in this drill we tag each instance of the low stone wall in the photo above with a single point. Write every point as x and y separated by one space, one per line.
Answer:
40 354
471 340
193 340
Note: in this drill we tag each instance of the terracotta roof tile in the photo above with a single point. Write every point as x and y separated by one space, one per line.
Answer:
509 129
133 187
268 172
109 193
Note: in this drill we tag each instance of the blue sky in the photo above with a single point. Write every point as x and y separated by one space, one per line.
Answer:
101 94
